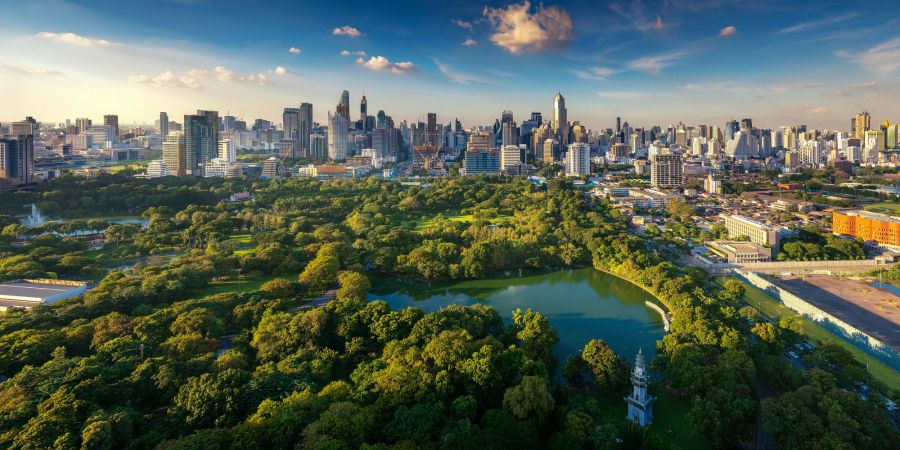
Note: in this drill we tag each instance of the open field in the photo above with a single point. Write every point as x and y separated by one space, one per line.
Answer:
884 208
499 220
873 311
774 310
219 287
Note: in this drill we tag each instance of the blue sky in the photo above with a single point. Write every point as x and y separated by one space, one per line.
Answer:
650 62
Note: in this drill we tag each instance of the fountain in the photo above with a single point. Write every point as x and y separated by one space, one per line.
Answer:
35 218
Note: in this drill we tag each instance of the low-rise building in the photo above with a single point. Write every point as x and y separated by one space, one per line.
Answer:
741 252
28 293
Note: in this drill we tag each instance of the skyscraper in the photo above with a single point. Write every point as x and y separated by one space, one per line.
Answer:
338 135
862 124
200 141
578 159
343 106
16 159
163 124
174 154
560 120
431 134
113 121
665 170
363 109
305 126
290 122
27 127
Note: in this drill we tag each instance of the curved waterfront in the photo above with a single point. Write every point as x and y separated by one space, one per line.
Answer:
582 304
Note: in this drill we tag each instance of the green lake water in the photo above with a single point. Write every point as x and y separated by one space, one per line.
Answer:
581 304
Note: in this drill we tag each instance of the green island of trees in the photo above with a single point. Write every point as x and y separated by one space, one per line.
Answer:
303 360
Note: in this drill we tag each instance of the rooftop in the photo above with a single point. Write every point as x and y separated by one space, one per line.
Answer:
871 215
39 290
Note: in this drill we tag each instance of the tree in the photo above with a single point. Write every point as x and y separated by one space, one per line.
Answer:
530 399
279 288
535 334
609 371
213 399
322 272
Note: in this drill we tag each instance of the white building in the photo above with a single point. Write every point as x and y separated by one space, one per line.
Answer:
157 168
510 157
578 159
227 150
338 136
216 167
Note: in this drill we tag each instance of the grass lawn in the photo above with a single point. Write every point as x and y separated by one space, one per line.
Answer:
499 220
243 239
670 422
774 309
885 208
219 287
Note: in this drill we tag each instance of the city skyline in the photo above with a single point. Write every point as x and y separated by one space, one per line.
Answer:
649 63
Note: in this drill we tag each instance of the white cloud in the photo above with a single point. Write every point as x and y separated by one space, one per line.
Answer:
817 110
841 93
785 87
469 42
622 95
294 50
29 70
228 76
463 24
596 73
728 31
812 25
865 85
280 70
74 39
516 29
346 30
382 64
884 58
167 79
455 76
655 64
636 15
353 53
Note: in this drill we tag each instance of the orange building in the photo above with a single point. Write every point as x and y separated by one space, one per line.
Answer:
867 226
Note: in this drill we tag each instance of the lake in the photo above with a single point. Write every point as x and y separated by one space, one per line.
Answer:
581 304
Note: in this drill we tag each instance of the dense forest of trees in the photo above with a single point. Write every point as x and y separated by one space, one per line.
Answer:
146 359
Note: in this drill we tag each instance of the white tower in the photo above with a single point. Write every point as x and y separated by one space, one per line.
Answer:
640 404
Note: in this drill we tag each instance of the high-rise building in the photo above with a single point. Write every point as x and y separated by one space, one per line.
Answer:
82 124
510 158
578 159
862 123
431 134
560 120
665 170
363 109
551 151
338 135
17 159
290 123
227 150
102 135
113 121
201 143
731 127
304 128
343 106
175 155
27 127
163 124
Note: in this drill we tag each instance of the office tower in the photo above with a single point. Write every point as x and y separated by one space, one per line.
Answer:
579 132
363 109
102 135
82 124
578 159
113 121
560 120
200 142
665 170
163 124
510 158
508 133
862 123
380 120
338 135
27 127
431 135
551 151
741 147
213 118
227 150
175 155
618 124
290 123
731 127
746 124
17 159
480 157
343 106
305 126
318 145
229 123
892 137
